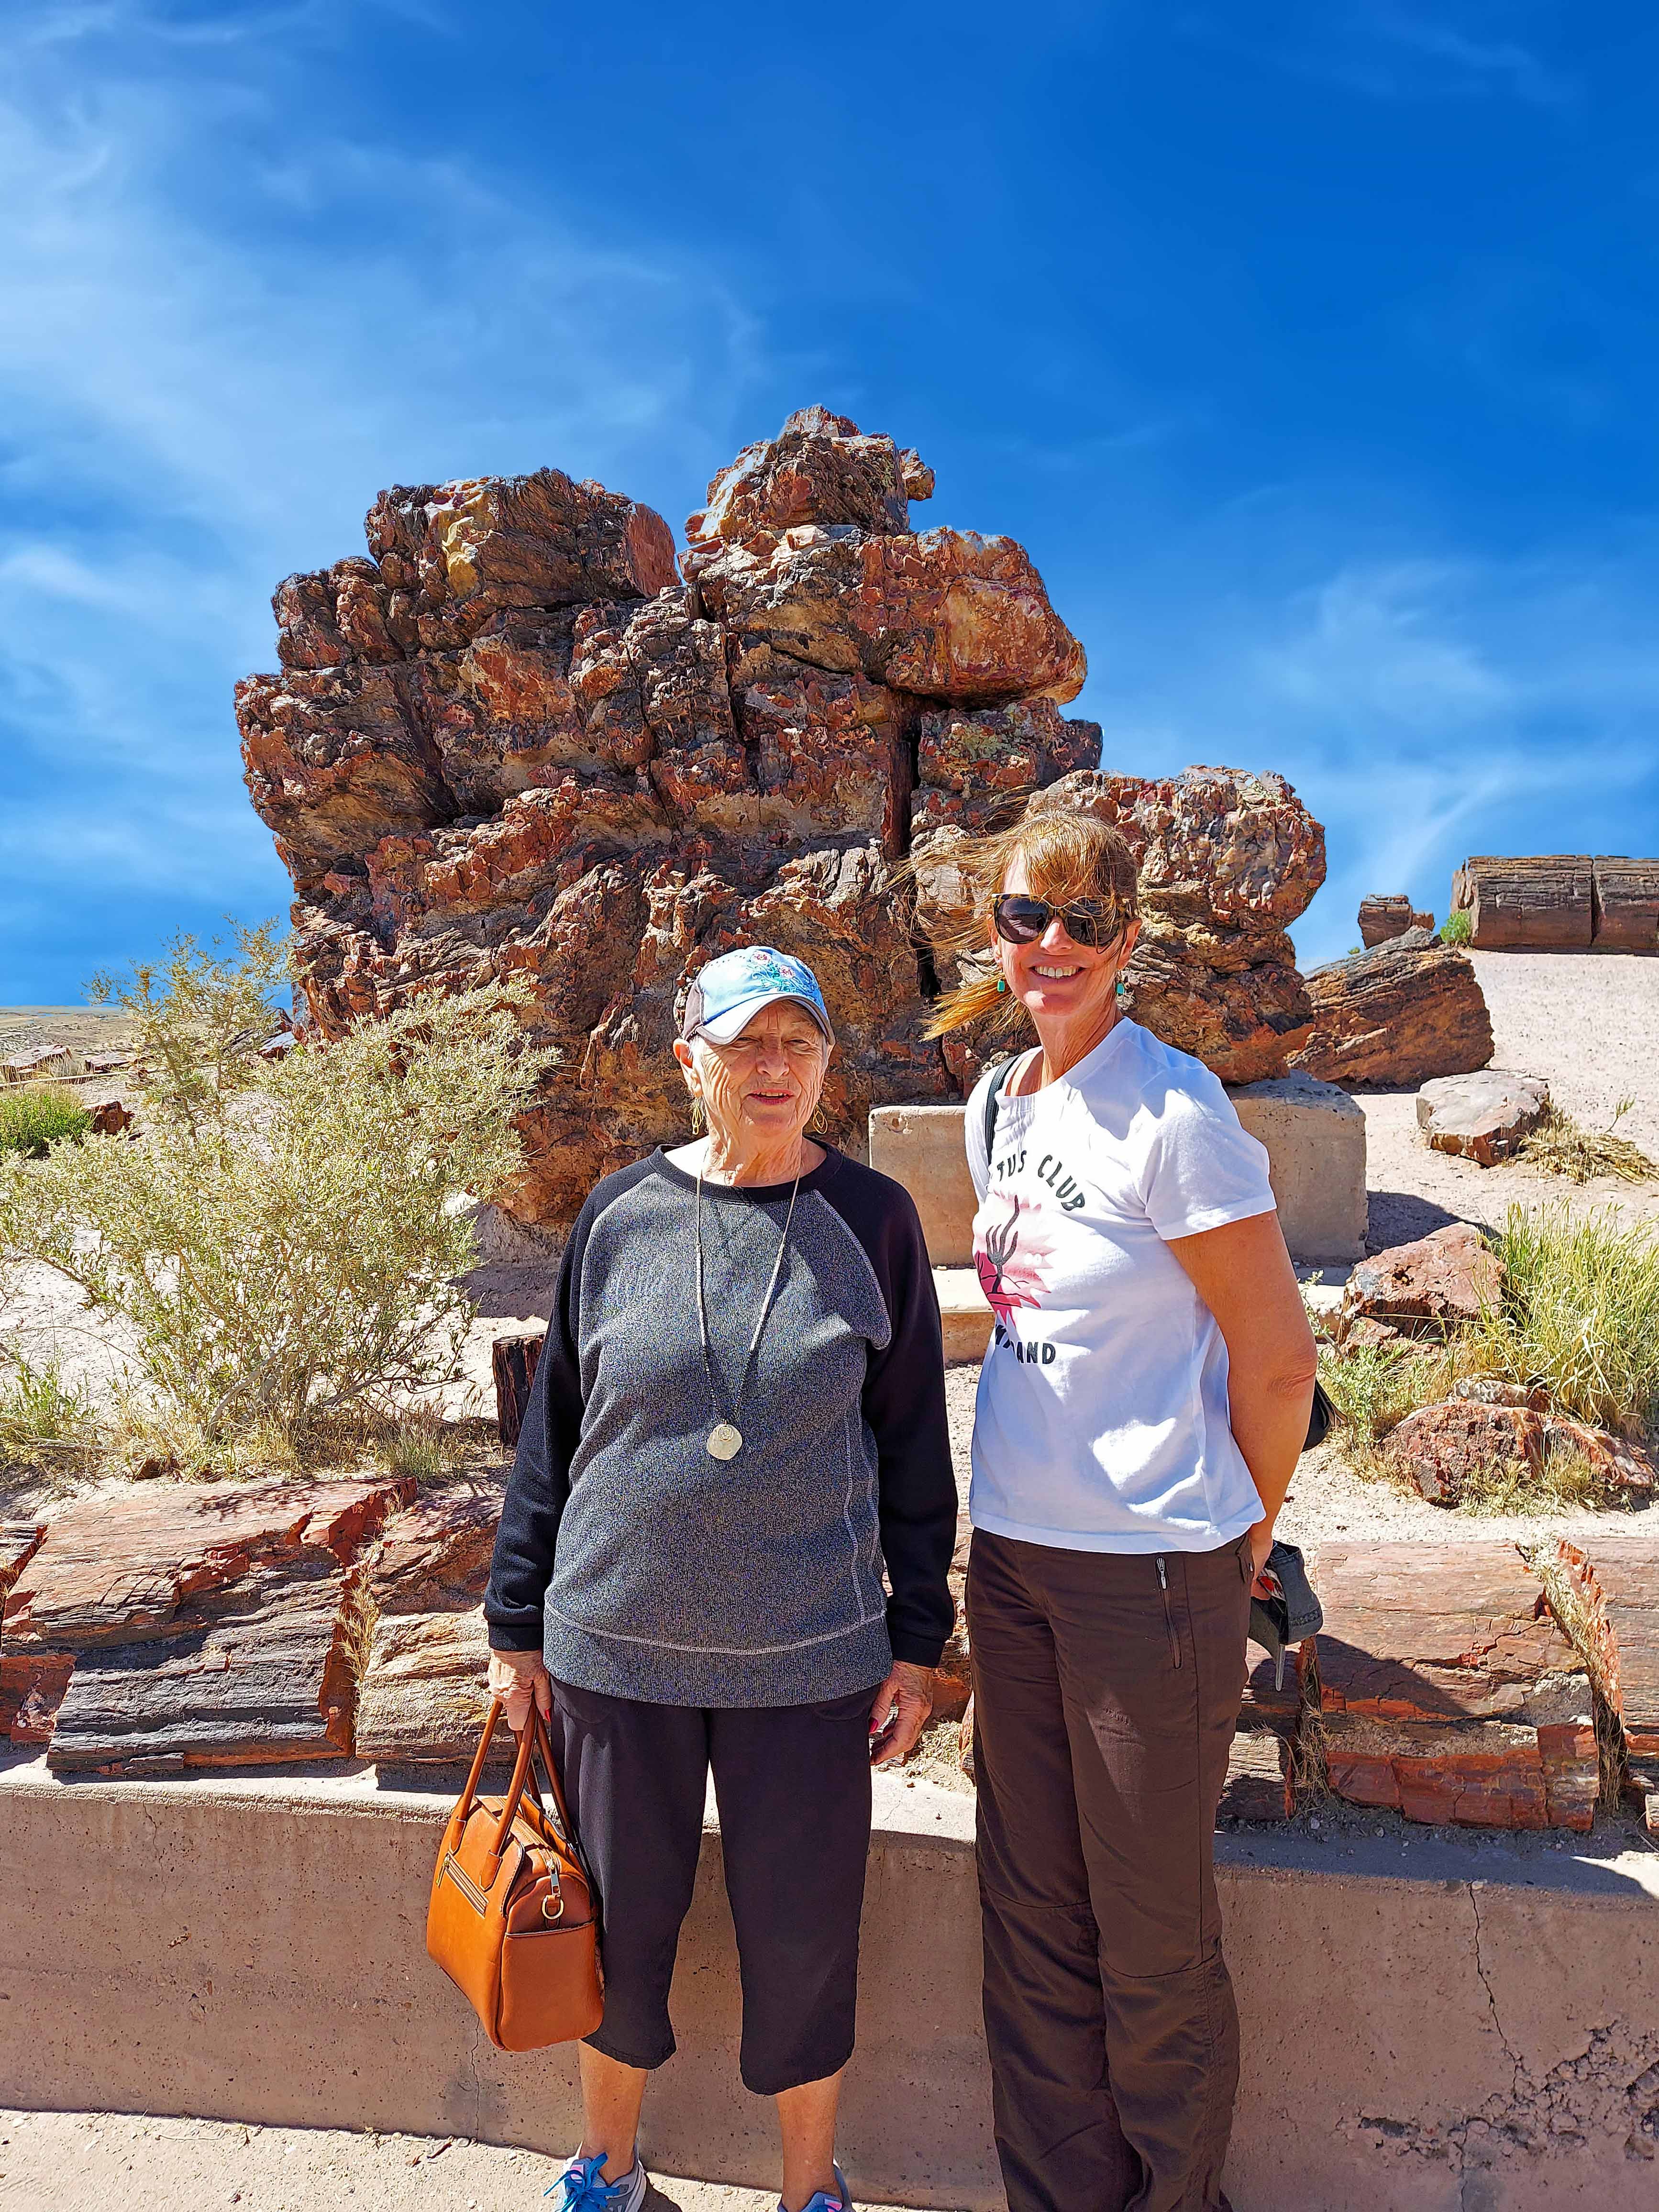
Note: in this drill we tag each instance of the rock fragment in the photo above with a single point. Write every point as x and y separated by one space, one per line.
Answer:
1440 1447
1484 1116
1409 1008
1425 1287
1383 916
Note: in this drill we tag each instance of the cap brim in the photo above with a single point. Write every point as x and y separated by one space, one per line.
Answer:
723 1028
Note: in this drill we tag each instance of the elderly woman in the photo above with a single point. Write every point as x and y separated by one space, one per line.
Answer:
1140 1413
737 1424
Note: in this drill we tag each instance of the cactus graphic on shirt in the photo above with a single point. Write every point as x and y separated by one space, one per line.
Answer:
1008 1273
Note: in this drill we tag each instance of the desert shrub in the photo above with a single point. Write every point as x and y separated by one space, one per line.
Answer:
1559 1145
1373 1387
1579 1313
198 1018
1457 929
34 1117
282 1253
42 1421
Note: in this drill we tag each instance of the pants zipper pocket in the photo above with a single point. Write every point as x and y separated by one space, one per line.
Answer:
1169 1618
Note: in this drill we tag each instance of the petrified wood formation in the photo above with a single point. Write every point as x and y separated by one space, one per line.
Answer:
1410 1009
1426 1286
1386 915
188 1626
512 743
1448 1692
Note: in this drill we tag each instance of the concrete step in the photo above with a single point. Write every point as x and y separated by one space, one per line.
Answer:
963 1313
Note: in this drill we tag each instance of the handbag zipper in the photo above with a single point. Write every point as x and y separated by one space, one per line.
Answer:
1169 1618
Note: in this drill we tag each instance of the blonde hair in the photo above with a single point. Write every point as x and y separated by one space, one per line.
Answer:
1069 855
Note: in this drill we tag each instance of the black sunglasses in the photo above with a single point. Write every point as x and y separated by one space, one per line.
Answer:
1021 920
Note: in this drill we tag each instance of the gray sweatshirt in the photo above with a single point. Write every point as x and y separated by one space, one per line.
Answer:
645 1568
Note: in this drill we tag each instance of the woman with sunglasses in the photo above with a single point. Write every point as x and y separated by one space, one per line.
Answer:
1140 1413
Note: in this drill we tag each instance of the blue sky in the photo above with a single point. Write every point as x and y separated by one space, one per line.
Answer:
1311 350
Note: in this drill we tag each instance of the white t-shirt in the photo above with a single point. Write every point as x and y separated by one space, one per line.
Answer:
1101 1423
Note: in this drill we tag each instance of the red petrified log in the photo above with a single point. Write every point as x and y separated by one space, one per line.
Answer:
1448 1693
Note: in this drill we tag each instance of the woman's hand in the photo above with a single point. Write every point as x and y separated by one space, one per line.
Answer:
900 1712
516 1677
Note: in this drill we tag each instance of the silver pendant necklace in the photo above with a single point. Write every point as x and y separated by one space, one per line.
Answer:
724 1439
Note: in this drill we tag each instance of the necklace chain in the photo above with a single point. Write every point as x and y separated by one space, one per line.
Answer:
726 1433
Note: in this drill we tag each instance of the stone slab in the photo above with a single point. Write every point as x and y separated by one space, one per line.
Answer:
1606 1588
1627 904
921 1147
1315 1135
1486 2024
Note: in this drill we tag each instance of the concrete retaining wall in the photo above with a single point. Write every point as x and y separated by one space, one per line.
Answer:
1473 2039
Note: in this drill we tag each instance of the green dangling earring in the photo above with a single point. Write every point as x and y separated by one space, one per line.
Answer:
1120 990
1002 983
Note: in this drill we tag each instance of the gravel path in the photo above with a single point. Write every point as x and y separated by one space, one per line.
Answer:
94 2162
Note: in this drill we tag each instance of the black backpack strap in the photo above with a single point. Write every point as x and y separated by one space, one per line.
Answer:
998 1069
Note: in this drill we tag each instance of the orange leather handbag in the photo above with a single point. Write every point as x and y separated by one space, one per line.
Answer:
511 1920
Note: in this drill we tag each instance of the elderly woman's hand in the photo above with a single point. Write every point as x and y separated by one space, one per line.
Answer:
900 1712
516 1677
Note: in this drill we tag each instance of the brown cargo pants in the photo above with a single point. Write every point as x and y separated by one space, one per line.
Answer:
1105 1696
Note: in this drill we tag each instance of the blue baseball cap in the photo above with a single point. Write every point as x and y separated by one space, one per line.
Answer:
725 996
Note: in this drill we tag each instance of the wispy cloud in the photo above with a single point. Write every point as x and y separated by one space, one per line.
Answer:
222 335
1424 707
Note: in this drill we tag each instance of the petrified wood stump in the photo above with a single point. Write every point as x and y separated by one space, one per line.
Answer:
512 1361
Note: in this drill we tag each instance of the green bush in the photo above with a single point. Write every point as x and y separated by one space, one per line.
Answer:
34 1117
1373 1389
1456 928
43 1421
282 1241
1579 1313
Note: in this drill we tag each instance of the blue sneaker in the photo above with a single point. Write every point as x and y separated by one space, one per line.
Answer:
824 2202
581 2187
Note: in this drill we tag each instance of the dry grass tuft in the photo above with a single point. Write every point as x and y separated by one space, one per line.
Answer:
1559 1145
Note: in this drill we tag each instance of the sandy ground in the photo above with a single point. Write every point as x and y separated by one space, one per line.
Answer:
1589 1023
90 2162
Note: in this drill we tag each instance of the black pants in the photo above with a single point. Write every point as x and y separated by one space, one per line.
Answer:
793 1785
1104 1702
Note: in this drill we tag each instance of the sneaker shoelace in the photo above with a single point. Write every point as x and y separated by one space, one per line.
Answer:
584 2190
